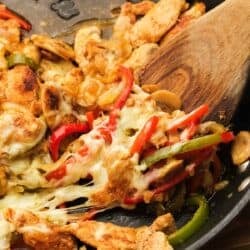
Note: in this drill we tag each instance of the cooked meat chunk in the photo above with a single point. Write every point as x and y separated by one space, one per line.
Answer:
3 181
151 27
39 234
19 130
9 32
86 45
55 46
107 236
164 223
148 239
57 108
20 85
140 55
197 10
135 9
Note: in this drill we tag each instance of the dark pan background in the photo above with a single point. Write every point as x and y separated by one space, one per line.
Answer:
222 208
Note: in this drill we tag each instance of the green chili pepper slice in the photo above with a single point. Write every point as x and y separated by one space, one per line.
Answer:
198 219
188 146
19 58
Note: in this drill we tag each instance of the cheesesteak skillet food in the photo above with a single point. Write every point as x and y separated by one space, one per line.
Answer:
75 125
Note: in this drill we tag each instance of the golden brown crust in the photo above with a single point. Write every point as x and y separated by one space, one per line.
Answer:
3 181
53 241
21 86
9 30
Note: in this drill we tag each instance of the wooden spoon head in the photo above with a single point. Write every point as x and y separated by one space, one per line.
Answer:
208 62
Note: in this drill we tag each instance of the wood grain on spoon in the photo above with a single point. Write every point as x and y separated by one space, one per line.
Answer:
208 62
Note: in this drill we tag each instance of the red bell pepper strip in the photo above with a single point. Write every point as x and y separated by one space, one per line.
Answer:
128 78
90 118
112 120
187 119
57 174
106 135
5 13
227 137
61 133
133 200
189 132
174 181
144 135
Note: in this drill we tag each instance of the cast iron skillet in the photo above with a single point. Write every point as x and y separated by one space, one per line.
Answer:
222 208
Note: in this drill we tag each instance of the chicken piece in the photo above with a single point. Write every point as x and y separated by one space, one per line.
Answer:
3 61
151 27
197 10
39 234
56 106
53 45
29 50
108 96
90 90
62 74
87 41
241 148
107 236
140 57
126 19
120 180
3 181
164 223
9 33
54 71
132 10
59 91
21 87
148 239
121 37
96 57
19 130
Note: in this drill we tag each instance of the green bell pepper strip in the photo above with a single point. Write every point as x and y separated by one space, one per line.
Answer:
198 219
19 58
188 146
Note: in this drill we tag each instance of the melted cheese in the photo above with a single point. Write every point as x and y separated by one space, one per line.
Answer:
6 230
19 131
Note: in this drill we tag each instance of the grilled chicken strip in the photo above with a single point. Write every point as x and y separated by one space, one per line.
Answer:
40 234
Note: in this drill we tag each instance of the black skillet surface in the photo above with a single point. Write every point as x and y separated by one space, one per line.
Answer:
57 16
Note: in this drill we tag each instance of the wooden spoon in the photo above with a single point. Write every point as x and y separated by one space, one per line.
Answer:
208 62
